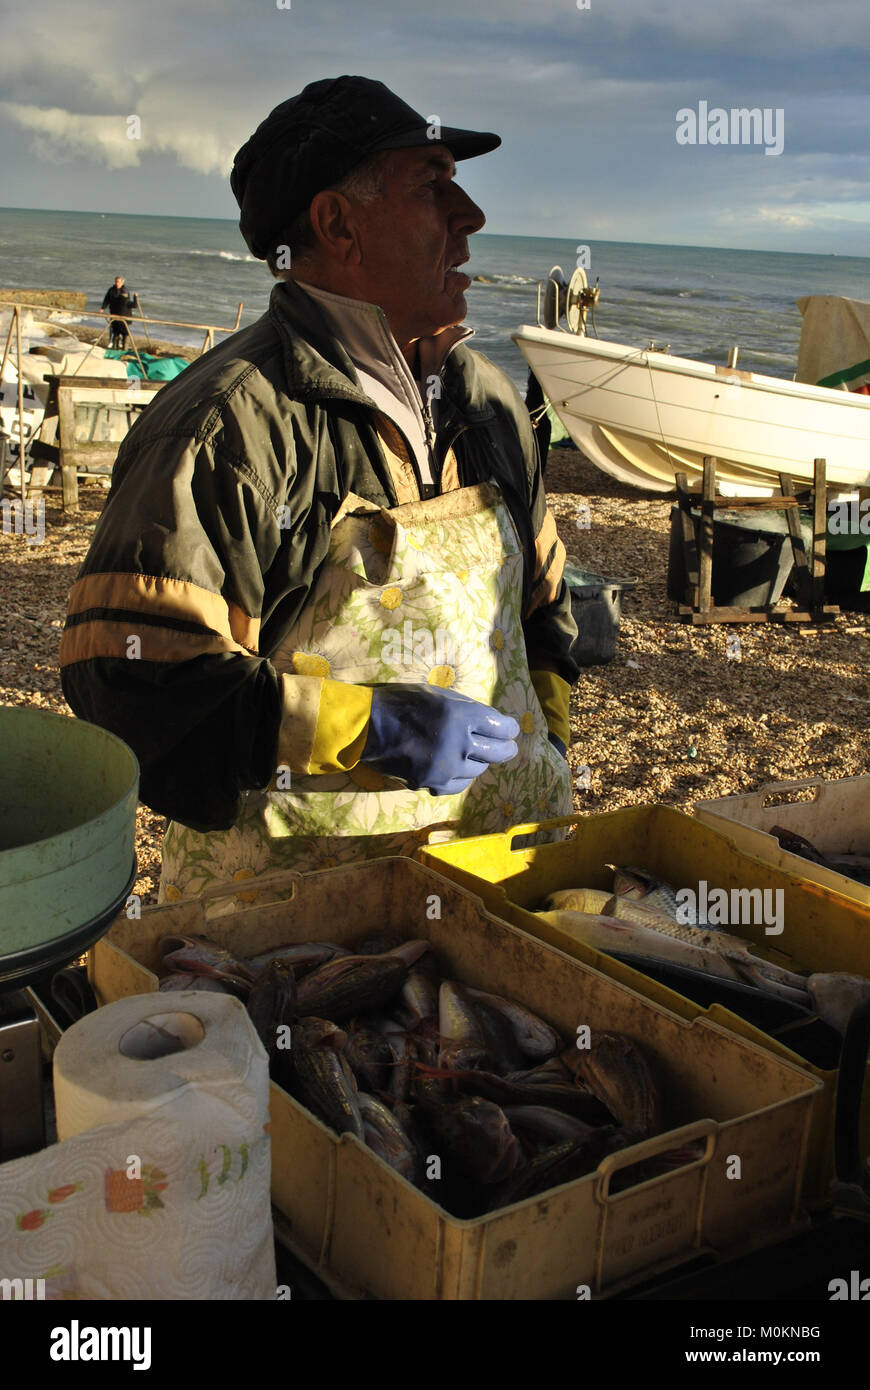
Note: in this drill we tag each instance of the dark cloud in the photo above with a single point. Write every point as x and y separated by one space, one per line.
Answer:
586 101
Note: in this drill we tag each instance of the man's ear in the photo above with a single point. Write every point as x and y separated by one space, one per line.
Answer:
335 226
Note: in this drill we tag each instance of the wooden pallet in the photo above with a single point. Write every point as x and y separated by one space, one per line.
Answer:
76 451
809 574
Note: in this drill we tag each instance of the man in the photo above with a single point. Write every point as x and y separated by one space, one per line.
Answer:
324 603
119 301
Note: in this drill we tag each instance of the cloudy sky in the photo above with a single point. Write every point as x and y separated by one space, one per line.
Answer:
586 101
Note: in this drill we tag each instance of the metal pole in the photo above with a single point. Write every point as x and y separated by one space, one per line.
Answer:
136 350
172 323
144 320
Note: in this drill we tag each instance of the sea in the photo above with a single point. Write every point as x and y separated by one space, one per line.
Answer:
696 301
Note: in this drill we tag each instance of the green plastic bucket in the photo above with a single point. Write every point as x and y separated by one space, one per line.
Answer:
68 795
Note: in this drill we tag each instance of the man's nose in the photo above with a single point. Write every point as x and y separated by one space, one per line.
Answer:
465 216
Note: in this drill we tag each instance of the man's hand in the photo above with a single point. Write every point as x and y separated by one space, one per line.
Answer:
435 738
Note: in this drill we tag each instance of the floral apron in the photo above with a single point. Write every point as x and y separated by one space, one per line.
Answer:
430 592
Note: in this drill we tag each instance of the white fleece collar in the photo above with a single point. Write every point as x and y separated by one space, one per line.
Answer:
384 374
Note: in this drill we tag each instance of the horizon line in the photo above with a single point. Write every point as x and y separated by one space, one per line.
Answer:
528 236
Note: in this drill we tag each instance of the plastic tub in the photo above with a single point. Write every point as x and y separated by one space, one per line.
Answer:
752 556
68 795
368 1233
596 604
833 816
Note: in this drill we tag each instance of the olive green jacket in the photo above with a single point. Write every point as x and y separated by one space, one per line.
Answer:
217 521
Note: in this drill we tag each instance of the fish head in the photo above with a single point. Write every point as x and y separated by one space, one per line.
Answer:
319 1032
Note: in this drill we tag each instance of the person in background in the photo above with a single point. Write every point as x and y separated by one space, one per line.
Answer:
324 603
118 300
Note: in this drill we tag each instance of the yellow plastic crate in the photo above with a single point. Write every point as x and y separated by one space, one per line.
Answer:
823 932
369 1233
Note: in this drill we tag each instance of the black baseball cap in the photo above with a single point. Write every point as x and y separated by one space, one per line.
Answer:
316 138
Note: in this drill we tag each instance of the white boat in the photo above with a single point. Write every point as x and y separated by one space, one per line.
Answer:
643 415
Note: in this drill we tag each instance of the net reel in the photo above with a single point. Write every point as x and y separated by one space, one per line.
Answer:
572 298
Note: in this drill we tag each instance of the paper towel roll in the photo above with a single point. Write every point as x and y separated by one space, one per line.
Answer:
159 1188
221 1058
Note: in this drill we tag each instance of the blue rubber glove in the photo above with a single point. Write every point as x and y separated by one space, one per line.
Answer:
430 737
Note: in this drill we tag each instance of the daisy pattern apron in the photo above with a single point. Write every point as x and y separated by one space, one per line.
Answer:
430 592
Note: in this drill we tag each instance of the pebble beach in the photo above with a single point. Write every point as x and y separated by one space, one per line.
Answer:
671 719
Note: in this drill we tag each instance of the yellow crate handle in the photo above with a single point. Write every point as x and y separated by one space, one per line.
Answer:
513 831
535 827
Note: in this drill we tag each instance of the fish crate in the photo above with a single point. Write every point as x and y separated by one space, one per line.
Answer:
368 1233
834 816
822 931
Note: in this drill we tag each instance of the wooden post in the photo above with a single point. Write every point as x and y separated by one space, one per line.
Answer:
66 434
6 349
801 565
820 526
705 567
690 546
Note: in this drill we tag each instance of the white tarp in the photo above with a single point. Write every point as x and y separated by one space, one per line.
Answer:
63 355
835 341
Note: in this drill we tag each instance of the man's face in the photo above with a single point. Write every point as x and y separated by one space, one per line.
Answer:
119 280
410 238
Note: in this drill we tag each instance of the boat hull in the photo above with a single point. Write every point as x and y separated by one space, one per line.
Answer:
643 416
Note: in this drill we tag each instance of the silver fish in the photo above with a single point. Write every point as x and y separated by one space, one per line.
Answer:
371 1056
352 984
535 1038
617 1072
419 997
197 955
302 957
676 944
319 1074
546 1123
384 1135
644 887
463 1039
475 1134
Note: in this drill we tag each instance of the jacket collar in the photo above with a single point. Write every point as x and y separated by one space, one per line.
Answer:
317 366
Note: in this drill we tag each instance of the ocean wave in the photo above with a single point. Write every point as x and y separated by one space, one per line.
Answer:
504 279
673 292
224 256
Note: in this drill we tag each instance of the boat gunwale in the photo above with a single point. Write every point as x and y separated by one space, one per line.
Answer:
687 366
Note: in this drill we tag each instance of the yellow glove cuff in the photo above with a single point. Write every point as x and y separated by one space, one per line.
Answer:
324 724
